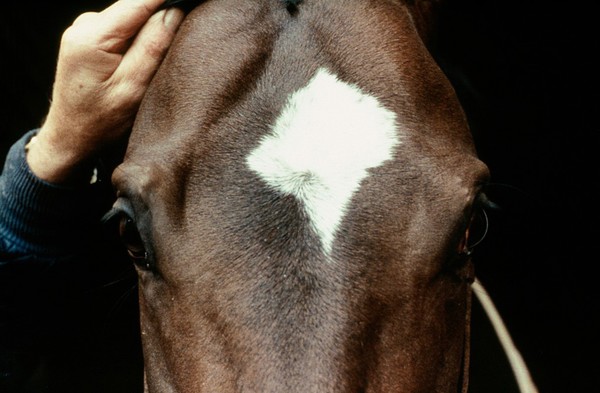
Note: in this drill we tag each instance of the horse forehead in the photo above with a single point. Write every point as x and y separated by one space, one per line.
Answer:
199 112
218 70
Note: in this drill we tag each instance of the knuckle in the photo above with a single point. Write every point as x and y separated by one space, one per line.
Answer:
154 48
69 36
78 34
85 18
125 96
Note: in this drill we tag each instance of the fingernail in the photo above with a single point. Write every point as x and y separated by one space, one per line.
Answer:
173 18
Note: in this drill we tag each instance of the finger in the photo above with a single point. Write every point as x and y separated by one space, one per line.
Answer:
149 47
123 20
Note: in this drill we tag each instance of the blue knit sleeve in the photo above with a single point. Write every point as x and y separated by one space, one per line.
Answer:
40 219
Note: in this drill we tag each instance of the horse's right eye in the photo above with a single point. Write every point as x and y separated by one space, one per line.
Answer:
133 242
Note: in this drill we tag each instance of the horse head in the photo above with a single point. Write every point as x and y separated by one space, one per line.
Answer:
296 196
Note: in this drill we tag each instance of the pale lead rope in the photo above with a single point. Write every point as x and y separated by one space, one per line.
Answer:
519 368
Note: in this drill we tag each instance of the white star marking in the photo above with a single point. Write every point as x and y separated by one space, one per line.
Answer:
321 146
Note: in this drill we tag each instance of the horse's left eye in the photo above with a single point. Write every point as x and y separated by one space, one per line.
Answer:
132 240
463 245
478 225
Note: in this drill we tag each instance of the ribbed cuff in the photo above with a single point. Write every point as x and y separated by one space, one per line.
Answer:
39 217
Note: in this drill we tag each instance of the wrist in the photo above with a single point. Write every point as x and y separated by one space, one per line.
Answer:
53 161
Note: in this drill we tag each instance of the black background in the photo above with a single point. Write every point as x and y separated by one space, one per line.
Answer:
526 76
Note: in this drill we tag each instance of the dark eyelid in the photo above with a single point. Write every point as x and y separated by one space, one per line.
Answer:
123 204
483 202
110 215
120 207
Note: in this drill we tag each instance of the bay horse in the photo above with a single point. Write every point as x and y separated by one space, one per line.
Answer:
296 196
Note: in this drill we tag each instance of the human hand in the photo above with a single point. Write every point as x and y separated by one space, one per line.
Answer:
105 64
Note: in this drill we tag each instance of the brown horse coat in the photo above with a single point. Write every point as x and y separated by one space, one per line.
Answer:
302 179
